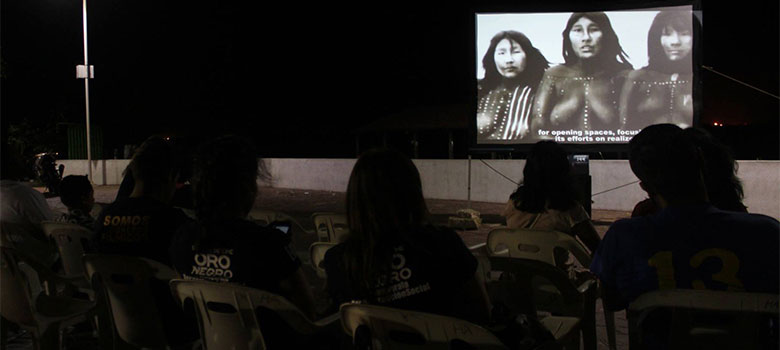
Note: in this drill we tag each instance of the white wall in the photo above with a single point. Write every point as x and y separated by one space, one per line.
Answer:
104 171
448 179
761 182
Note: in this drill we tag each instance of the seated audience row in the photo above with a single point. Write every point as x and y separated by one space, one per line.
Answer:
393 255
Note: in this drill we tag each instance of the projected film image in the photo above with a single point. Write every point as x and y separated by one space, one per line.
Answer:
591 77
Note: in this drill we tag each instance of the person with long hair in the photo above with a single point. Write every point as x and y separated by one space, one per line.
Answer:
223 246
547 199
724 188
393 256
689 243
513 70
661 92
582 93
143 223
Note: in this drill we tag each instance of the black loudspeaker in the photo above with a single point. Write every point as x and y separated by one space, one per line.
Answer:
580 164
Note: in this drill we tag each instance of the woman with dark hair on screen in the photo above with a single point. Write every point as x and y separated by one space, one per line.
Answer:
513 69
547 199
582 94
393 256
661 92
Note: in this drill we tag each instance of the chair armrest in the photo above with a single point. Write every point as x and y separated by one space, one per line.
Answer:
328 320
585 286
477 246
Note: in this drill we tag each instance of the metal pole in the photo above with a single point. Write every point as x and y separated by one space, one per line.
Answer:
86 90
469 185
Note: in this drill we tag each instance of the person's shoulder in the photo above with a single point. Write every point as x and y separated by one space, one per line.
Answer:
628 226
188 230
752 221
250 230
439 237
439 231
560 71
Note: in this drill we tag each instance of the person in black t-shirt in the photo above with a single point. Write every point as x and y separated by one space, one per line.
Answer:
143 223
392 257
223 246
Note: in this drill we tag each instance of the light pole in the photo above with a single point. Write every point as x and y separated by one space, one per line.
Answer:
87 72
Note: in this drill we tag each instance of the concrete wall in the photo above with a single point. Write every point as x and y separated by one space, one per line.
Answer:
104 171
614 186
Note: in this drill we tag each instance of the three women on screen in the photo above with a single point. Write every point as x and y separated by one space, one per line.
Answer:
595 90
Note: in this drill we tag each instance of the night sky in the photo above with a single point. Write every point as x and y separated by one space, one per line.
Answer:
299 78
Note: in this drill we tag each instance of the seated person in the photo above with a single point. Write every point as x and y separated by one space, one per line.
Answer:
77 194
182 197
392 255
223 246
143 224
689 243
22 209
547 199
724 189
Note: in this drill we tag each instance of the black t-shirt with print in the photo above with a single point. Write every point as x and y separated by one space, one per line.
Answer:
235 251
138 227
144 227
426 275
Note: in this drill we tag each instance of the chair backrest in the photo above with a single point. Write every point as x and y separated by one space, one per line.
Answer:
17 289
331 227
125 284
534 244
404 329
704 319
227 313
317 254
70 239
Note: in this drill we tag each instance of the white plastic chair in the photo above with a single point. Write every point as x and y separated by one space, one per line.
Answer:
129 316
29 299
228 314
70 239
530 253
390 328
331 227
703 319
317 254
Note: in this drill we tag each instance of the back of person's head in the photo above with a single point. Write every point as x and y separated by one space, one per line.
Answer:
385 204
668 164
724 188
384 194
154 165
225 178
76 191
547 180
184 149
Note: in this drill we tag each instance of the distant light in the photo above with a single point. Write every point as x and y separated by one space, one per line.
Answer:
167 138
715 123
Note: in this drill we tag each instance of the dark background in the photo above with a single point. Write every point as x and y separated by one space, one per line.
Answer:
308 80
